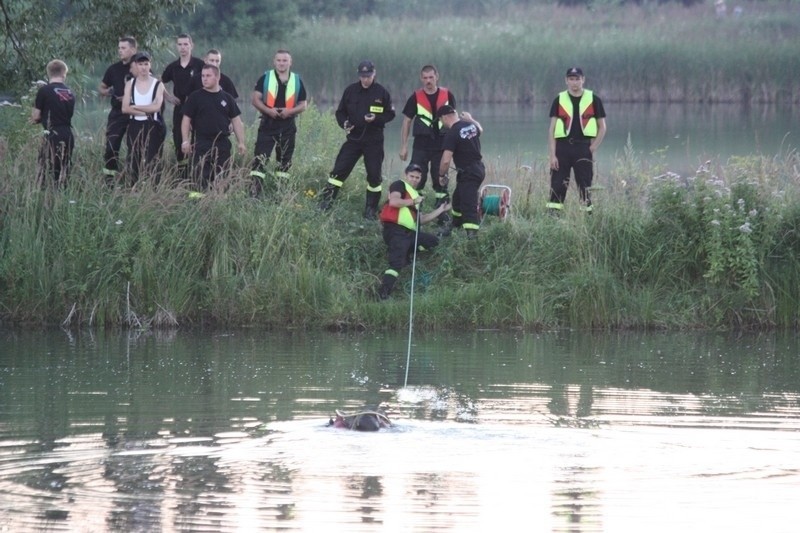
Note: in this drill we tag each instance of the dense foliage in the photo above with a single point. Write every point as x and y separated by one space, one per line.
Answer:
33 32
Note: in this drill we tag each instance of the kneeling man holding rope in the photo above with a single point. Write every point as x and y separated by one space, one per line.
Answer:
401 220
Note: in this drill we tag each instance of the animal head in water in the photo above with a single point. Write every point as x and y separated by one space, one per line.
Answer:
365 420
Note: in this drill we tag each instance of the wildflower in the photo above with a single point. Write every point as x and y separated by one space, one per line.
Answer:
715 222
745 228
752 213
118 222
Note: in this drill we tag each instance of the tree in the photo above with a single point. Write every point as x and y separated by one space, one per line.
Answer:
225 20
35 31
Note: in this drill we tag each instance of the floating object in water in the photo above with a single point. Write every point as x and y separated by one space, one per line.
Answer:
365 420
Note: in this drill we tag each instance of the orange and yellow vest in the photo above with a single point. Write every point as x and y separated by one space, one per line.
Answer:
425 115
402 216
585 108
271 85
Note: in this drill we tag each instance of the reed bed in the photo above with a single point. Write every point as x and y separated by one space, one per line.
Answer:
716 249
642 53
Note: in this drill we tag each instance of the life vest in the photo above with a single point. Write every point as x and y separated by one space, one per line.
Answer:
272 84
585 108
402 216
425 115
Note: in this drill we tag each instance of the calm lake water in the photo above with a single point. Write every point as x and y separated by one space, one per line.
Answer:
675 137
494 431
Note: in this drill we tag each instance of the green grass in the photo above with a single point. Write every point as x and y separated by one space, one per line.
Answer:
720 249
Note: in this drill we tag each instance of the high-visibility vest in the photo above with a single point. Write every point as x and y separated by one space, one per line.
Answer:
271 85
403 216
425 115
585 108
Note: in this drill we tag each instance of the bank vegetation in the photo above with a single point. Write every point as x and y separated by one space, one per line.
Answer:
716 249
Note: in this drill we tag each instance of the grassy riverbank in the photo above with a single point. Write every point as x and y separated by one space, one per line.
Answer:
649 53
717 250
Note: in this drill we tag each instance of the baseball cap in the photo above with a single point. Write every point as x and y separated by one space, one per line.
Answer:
574 71
141 56
366 68
445 110
413 167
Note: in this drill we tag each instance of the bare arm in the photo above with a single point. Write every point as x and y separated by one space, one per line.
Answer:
186 135
257 99
238 130
466 116
444 166
36 115
551 144
405 129
127 108
601 133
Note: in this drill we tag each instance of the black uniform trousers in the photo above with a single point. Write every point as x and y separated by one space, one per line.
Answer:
211 157
116 126
145 140
400 241
177 136
577 156
465 196
282 143
55 156
352 150
429 160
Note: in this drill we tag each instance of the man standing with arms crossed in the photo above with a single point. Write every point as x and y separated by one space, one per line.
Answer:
419 119
280 96
113 86
577 127
181 73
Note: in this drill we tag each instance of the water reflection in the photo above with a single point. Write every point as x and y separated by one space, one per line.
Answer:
565 432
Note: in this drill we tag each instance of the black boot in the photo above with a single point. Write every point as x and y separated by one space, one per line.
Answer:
386 286
328 195
371 205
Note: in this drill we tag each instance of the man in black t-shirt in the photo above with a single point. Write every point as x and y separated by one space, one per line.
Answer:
577 127
113 86
279 95
210 114
462 147
214 57
53 109
181 74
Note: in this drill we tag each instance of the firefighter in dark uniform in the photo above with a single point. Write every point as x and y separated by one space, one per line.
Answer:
181 73
53 109
400 216
211 114
419 120
279 95
364 110
577 127
113 86
462 147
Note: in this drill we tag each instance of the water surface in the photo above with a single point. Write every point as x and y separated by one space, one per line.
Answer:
226 431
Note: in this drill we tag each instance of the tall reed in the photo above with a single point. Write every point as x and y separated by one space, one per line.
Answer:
629 53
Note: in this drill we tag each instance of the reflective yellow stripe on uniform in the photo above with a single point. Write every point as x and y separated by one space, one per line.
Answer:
336 183
391 272
373 189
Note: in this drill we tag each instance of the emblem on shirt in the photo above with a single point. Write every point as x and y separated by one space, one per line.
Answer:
468 132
